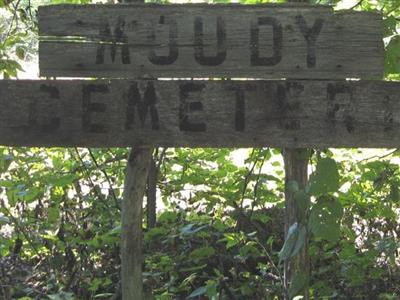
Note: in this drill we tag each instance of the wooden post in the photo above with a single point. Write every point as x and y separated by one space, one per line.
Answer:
136 175
296 163
296 169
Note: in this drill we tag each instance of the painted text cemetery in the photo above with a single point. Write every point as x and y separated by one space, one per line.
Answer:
199 113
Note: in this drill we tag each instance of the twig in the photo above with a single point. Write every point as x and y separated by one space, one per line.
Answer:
161 159
90 179
357 4
23 232
247 179
14 17
272 263
379 157
106 176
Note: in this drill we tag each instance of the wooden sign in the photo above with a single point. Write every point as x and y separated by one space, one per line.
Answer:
230 41
200 113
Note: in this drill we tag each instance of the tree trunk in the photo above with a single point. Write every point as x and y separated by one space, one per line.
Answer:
137 171
152 194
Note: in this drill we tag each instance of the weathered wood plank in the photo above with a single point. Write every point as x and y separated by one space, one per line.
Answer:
200 113
261 41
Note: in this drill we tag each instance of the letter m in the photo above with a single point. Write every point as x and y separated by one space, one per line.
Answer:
113 39
142 105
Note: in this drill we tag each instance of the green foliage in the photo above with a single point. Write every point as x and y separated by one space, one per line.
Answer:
298 284
220 238
210 262
325 179
325 219
17 36
392 59
61 217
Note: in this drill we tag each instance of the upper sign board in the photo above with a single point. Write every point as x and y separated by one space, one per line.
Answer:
229 41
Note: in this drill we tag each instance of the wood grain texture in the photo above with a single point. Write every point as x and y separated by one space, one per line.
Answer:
136 174
230 41
296 161
124 113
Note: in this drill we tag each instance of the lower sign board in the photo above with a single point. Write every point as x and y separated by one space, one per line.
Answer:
220 113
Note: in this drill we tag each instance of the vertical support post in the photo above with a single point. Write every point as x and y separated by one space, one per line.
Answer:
136 174
296 169
137 171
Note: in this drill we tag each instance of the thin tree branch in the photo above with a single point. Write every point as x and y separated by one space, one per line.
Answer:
107 178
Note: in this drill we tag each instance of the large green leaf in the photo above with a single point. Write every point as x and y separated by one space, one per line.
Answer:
290 242
4 220
5 162
300 241
61 296
325 179
390 24
392 56
298 283
325 219
202 252
198 292
294 242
